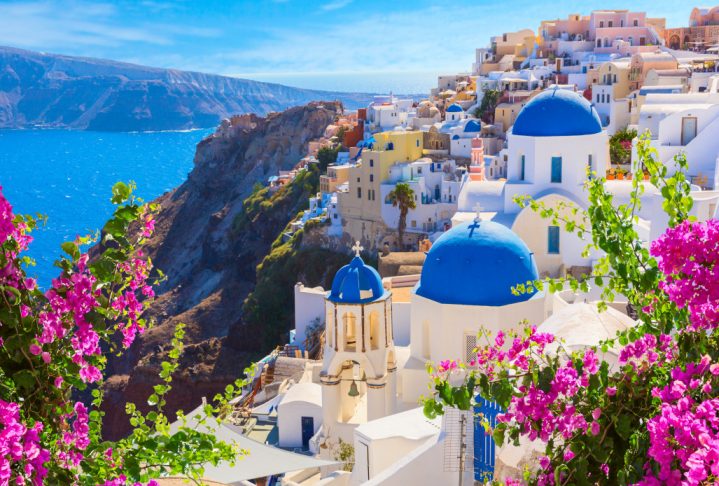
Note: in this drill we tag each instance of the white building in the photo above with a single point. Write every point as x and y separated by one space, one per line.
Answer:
299 415
388 112
555 140
436 188
685 123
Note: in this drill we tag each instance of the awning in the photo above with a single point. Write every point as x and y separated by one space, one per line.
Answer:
261 461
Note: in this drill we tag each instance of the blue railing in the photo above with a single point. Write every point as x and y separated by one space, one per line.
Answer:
484 446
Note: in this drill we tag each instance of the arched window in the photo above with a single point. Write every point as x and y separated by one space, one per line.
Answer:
374 330
349 322
330 329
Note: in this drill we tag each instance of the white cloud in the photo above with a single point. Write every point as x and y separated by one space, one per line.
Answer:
47 24
335 5
387 41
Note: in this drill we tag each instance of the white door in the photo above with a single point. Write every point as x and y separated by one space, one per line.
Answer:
689 129
362 462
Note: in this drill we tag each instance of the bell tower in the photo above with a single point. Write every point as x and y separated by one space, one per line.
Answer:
359 371
476 167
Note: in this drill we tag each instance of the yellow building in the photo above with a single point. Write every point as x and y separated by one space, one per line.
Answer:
616 75
506 112
360 207
335 177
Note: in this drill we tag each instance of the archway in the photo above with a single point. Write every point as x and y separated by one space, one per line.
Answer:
674 42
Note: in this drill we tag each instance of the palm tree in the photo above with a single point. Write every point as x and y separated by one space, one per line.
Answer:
402 196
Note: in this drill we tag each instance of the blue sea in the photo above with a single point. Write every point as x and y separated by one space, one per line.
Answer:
67 176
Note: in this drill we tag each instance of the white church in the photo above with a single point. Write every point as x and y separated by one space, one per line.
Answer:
380 334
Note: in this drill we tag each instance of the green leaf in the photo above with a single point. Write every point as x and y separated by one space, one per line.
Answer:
71 249
120 193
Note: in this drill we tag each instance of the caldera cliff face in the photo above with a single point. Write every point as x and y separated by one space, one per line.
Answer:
209 264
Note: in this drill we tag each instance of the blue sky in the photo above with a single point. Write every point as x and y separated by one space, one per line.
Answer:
293 41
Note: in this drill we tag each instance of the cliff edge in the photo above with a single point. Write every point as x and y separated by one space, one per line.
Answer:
211 263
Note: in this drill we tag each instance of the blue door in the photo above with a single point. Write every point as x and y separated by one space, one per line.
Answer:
553 240
484 446
308 430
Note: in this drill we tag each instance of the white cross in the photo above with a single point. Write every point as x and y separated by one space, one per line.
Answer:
478 210
357 248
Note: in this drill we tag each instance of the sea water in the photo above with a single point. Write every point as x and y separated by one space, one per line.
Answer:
67 176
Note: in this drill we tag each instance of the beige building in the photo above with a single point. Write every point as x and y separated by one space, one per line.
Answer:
509 107
335 177
507 52
643 62
360 207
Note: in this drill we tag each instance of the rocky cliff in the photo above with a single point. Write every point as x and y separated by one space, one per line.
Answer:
48 90
211 234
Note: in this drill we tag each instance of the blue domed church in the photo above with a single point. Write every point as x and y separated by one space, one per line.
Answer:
555 145
476 276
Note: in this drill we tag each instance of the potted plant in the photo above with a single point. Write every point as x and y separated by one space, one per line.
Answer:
610 175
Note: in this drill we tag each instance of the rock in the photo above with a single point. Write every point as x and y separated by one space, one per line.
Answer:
210 267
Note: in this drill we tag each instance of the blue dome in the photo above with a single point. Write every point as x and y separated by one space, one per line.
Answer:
455 137
477 264
472 126
557 113
454 108
356 283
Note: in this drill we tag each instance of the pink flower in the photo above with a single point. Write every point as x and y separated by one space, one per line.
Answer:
568 455
58 381
447 365
544 462
35 349
594 427
611 390
591 362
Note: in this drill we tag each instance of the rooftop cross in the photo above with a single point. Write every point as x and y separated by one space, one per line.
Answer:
357 248
478 209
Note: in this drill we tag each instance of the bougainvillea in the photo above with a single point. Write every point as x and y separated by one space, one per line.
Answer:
653 417
53 344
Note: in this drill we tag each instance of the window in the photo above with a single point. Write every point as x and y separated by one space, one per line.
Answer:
350 332
417 142
371 162
556 169
374 336
521 168
589 165
553 240
470 346
636 23
359 193
601 24
414 223
371 177
610 24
